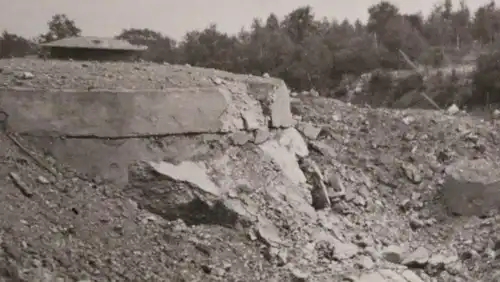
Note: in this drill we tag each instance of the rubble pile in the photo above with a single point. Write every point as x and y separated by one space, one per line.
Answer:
333 193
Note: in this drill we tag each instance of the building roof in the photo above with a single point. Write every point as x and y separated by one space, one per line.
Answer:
92 42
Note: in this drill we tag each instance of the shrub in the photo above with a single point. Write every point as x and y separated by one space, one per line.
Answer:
486 80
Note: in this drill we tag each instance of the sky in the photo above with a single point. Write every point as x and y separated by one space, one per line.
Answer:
174 18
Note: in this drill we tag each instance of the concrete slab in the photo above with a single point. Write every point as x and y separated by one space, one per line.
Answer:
115 114
112 114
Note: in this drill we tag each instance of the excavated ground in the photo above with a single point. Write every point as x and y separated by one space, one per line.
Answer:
237 207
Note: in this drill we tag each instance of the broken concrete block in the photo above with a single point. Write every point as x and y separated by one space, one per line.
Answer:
185 191
417 259
251 120
286 160
345 250
393 254
322 148
194 173
267 232
309 130
261 136
291 139
281 115
472 187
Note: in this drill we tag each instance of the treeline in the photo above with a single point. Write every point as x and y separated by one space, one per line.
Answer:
308 52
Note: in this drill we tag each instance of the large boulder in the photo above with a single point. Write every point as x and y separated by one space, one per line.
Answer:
472 187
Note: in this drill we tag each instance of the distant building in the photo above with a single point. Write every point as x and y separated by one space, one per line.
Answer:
92 48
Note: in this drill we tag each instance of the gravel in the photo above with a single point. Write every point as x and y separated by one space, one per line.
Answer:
53 74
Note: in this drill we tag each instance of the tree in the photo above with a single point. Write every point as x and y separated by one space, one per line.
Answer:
209 48
60 26
12 45
272 22
447 9
160 48
266 49
486 24
416 21
400 34
300 23
460 22
379 15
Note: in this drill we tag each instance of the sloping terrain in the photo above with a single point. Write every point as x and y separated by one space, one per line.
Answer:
345 194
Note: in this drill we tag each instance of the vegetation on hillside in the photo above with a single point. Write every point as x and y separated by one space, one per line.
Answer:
319 53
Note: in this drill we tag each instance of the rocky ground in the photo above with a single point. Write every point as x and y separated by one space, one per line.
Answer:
41 74
348 194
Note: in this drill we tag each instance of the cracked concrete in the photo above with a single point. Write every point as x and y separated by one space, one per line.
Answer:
122 114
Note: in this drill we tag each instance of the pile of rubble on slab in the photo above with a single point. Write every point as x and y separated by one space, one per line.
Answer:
342 194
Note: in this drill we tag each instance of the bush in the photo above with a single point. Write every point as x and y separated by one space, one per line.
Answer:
380 81
379 88
486 80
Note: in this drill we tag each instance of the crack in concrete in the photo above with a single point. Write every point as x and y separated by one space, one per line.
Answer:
100 137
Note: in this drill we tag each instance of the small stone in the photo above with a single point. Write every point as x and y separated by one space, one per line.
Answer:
393 254
412 173
408 120
345 250
365 262
453 109
405 205
282 257
410 276
217 80
298 275
440 260
251 235
25 189
266 75
41 179
314 93
416 223
496 113
359 201
270 253
26 75
417 258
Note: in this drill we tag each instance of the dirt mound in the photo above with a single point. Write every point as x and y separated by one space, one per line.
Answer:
341 193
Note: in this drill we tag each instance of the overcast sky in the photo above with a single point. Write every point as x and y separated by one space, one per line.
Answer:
175 17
